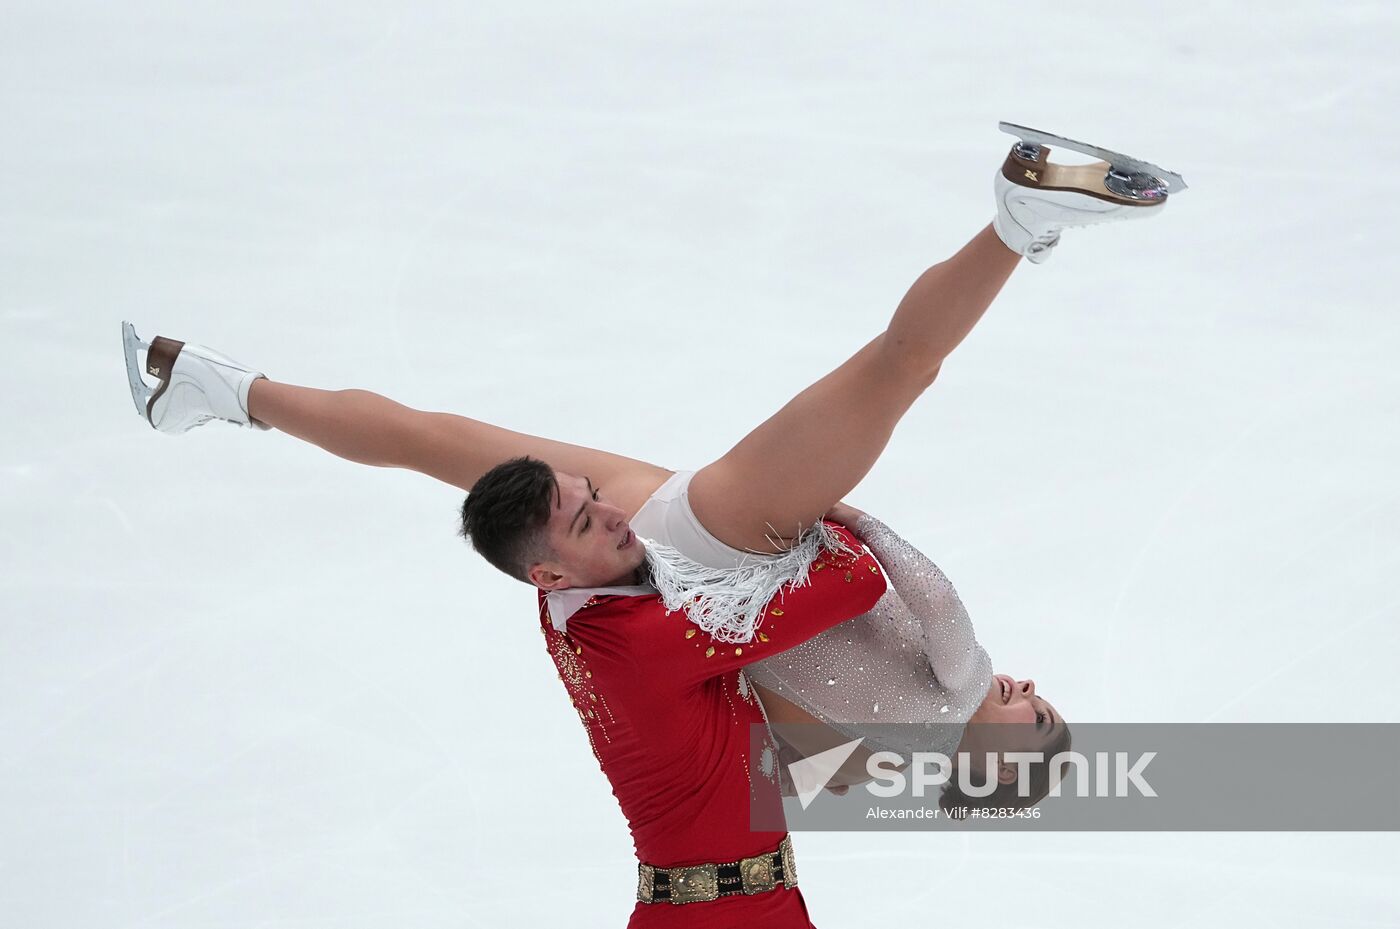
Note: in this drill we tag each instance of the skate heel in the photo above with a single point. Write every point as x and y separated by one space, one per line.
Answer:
160 364
160 357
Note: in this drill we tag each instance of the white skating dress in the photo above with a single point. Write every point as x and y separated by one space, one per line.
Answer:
914 658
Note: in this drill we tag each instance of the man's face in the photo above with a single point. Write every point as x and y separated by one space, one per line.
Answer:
591 537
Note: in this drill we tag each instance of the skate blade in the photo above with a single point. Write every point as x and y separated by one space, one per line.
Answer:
1173 181
140 391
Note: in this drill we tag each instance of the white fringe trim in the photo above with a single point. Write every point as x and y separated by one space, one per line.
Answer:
730 603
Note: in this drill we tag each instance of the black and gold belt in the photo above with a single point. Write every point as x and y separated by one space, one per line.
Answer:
702 882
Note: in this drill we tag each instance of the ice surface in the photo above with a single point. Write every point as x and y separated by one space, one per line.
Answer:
244 684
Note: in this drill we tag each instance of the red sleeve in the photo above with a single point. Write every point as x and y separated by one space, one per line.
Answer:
673 649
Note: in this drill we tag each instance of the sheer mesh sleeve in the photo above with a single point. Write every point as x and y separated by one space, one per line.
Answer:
912 659
948 639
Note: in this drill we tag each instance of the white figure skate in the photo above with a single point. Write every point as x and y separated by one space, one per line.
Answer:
1036 199
196 384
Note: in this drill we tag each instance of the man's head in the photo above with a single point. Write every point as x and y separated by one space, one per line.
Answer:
550 529
1011 718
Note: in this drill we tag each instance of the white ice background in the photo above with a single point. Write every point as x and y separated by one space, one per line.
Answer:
244 684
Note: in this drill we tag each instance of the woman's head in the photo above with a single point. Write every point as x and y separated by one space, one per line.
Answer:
1011 701
1011 718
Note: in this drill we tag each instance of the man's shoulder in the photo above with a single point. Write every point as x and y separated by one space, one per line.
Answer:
562 612
598 606
619 634
631 626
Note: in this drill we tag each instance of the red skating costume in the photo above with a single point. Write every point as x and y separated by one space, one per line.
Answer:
668 715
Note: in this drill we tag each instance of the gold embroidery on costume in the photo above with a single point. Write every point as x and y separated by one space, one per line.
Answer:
578 682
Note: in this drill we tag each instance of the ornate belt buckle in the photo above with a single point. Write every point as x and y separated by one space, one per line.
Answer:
696 884
646 882
757 874
789 863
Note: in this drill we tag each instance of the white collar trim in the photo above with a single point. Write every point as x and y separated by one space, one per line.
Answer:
563 604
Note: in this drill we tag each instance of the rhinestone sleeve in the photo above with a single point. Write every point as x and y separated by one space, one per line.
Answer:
914 658
929 599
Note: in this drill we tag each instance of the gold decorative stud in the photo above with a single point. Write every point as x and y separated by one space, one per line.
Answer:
690 633
709 652
848 577
775 612
738 651
762 637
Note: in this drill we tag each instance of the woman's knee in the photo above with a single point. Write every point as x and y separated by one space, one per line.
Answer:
905 365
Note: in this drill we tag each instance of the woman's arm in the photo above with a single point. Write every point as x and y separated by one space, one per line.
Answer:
949 641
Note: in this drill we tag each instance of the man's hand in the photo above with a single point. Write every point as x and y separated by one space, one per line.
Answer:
844 514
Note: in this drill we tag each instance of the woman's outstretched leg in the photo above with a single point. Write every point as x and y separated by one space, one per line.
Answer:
357 425
786 473
792 468
197 384
370 429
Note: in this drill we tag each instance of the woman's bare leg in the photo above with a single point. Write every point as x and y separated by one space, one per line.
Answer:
357 425
370 429
790 470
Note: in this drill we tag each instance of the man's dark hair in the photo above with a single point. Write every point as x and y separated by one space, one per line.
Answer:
505 515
